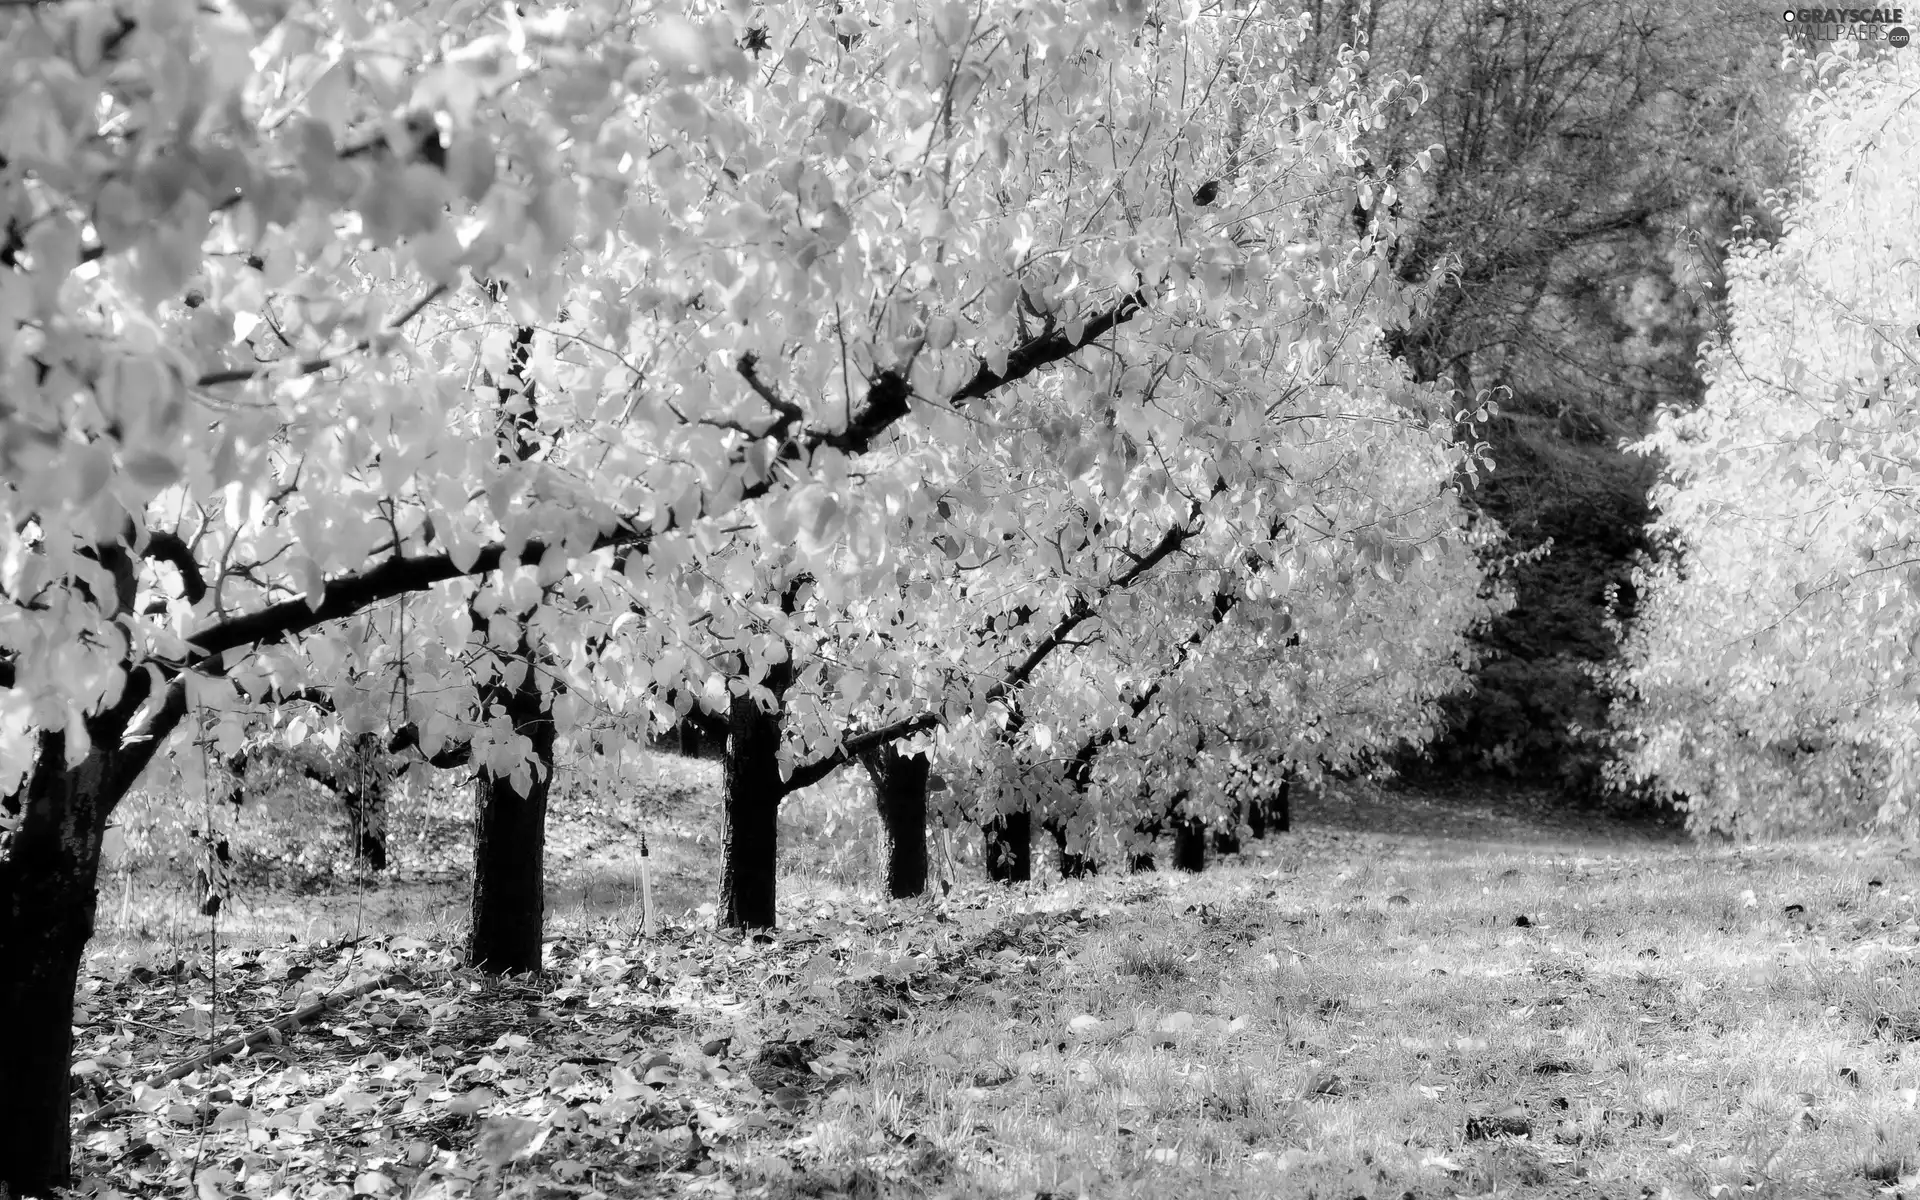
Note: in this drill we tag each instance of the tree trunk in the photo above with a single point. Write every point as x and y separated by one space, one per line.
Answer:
49 882
48 889
1009 846
510 839
900 793
1226 838
750 814
1279 807
366 797
1189 844
1072 865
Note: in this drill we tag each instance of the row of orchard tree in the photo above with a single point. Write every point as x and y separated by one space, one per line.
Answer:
1772 677
1000 382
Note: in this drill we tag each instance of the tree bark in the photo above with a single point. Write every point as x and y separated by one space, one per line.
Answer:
750 814
1009 846
1072 865
510 839
900 793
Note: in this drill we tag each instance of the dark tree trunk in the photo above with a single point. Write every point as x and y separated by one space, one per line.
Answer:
48 889
1189 844
900 793
1279 806
1267 811
366 796
510 829
1072 865
750 813
1226 838
510 840
1009 845
48 881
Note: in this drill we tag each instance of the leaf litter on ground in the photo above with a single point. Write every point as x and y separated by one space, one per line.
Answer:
631 1068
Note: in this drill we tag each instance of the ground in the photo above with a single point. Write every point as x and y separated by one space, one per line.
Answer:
1427 996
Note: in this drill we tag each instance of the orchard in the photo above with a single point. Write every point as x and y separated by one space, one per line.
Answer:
999 408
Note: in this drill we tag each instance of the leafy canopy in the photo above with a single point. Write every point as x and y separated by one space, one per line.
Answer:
1773 674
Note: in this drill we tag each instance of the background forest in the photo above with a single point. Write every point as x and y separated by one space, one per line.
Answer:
631 600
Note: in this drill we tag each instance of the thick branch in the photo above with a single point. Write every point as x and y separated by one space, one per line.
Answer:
1046 350
407 737
885 404
172 548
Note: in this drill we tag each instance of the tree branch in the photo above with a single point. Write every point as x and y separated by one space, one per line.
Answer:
315 365
407 737
855 745
1047 349
172 548
789 412
1081 765
885 404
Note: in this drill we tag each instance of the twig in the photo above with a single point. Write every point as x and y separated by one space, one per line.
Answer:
315 365
279 1025
159 1029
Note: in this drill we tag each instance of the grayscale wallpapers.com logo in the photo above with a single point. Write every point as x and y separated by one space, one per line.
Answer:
1849 24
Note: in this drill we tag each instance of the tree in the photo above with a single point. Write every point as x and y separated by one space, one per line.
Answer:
508 910
1769 680
241 321
321 463
360 772
1181 414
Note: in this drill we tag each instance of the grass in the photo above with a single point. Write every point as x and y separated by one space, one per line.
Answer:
1332 1015
1657 1022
